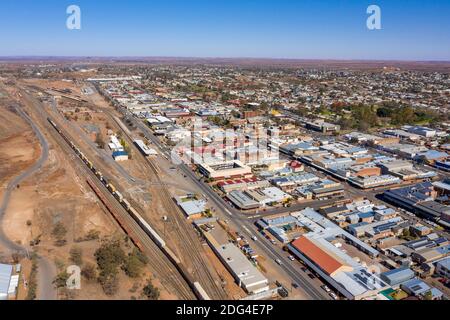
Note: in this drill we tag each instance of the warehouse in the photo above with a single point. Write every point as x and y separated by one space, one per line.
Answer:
120 156
245 273
242 201
8 282
225 170
443 268
146 151
397 276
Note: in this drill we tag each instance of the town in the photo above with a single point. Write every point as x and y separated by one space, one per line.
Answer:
219 181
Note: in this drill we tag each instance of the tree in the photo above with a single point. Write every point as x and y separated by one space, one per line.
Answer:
61 279
150 291
109 257
134 263
428 295
76 256
109 283
89 272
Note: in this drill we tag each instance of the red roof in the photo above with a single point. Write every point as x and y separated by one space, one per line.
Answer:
320 257
296 164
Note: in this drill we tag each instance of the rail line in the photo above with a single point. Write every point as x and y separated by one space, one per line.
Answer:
188 239
142 235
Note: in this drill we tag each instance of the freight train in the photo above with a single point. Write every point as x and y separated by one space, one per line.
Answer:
195 286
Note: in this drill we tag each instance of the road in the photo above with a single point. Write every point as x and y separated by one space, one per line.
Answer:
164 269
46 271
311 288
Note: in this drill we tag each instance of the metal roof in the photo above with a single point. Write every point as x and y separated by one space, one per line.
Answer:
5 278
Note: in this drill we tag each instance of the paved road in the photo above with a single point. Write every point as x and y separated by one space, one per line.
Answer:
310 288
47 271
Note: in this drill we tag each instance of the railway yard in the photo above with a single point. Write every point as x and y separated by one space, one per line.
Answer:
79 171
182 267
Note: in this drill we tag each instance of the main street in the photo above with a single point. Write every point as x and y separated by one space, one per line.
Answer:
242 221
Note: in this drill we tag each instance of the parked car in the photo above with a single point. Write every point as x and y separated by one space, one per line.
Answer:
324 287
292 258
333 296
311 276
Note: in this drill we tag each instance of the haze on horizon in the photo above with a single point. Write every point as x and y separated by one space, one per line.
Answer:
330 29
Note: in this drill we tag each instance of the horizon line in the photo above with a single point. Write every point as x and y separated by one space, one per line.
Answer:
34 57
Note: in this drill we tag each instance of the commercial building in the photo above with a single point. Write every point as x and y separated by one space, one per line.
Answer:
146 151
397 276
369 182
419 199
348 277
8 282
443 165
120 156
192 208
322 126
319 251
243 271
242 184
225 170
443 268
415 287
242 200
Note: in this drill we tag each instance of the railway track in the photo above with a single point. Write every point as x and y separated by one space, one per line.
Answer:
164 269
189 241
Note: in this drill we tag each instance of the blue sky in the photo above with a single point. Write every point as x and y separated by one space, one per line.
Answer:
307 29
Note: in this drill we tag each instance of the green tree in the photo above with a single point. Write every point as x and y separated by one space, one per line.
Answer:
150 291
109 257
134 263
61 279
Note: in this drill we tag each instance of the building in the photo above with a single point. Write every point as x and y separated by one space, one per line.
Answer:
115 144
349 278
397 276
242 184
192 208
322 126
443 268
244 272
319 251
374 181
8 282
415 287
419 199
428 255
225 170
120 156
443 165
242 200
146 151
431 157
